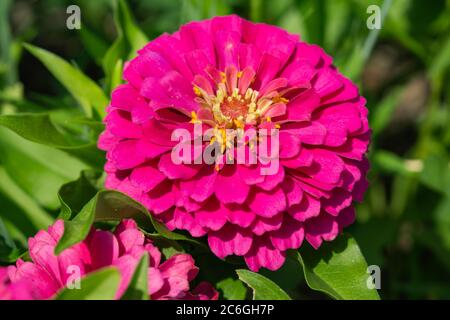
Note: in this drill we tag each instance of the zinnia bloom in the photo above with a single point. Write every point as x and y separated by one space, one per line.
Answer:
47 274
229 73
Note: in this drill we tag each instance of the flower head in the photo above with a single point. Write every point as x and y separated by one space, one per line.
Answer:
47 274
231 74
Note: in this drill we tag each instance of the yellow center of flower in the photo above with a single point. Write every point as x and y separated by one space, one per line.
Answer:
233 106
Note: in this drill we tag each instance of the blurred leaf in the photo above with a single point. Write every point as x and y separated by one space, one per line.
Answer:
441 62
436 173
202 9
389 162
116 52
256 10
263 288
8 249
7 70
39 170
129 40
39 128
116 77
135 37
442 223
81 87
108 205
232 289
138 287
337 27
98 285
94 45
35 215
338 269
382 113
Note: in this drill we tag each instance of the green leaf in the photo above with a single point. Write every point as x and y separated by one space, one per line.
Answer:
73 195
98 285
202 9
95 46
110 205
81 87
138 287
135 37
39 128
77 229
8 249
34 215
382 113
263 288
129 40
232 289
436 173
338 269
39 170
116 77
387 161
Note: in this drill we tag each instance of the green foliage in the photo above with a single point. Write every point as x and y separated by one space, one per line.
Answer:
232 289
138 287
263 288
338 269
82 88
98 285
110 205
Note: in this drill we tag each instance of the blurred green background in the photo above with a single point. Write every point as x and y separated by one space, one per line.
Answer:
403 70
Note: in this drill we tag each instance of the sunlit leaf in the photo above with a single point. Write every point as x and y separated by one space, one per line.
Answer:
338 269
263 288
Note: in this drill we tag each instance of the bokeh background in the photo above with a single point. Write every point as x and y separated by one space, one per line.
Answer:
403 70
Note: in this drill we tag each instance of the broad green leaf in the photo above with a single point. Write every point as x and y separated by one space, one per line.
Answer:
338 269
81 87
34 215
138 287
39 170
39 128
232 289
110 205
263 288
98 285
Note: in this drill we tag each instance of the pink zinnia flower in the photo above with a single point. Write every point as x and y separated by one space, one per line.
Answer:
231 73
47 274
